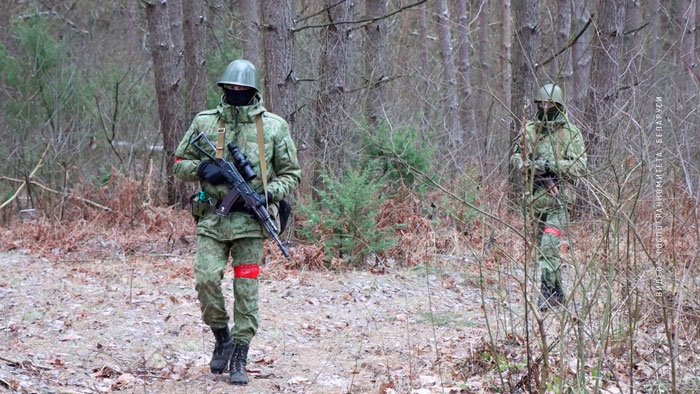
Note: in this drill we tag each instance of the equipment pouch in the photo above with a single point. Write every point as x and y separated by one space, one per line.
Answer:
285 210
199 205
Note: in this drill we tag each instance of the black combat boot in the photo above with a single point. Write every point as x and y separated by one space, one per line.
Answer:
545 294
222 350
550 296
558 294
238 361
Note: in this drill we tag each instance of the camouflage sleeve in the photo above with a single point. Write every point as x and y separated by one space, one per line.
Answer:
186 157
575 160
515 157
286 166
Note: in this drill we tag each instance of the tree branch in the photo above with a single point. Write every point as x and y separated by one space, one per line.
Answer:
63 194
364 21
568 44
319 12
31 175
386 79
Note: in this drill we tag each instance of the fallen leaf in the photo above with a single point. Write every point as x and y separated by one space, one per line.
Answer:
298 380
385 387
448 283
105 372
265 361
426 380
70 337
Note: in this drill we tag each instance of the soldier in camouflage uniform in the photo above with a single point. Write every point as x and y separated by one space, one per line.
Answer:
557 156
238 234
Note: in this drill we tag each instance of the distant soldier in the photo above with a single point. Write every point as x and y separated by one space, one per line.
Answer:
241 116
553 148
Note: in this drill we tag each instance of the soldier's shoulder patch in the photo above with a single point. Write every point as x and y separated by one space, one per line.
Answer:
274 118
571 128
208 112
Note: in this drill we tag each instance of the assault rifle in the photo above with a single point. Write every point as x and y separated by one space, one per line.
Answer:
239 188
549 179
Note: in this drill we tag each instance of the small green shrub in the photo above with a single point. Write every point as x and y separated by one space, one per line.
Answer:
396 154
343 218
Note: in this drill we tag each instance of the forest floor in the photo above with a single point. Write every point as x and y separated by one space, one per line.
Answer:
133 324
107 303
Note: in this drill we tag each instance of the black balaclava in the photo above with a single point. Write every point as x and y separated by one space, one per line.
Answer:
238 98
550 114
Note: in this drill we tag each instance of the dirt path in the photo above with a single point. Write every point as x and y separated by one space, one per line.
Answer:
86 326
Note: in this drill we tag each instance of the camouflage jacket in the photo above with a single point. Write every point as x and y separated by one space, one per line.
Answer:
560 142
284 173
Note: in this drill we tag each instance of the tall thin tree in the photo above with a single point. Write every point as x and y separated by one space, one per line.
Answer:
600 109
376 65
250 30
482 95
331 118
564 65
167 82
451 112
177 36
194 32
506 53
278 48
464 69
581 52
525 55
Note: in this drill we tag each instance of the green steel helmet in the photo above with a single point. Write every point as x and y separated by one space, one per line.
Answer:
550 92
240 72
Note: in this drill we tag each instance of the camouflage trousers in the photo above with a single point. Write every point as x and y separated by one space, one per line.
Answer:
209 265
550 225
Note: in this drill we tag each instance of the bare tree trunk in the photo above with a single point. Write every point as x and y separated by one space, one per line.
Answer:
278 40
463 69
525 55
633 44
506 55
250 32
423 67
482 96
194 32
600 109
331 119
423 31
686 48
176 34
697 30
167 83
655 42
581 59
450 78
132 30
688 89
565 66
376 66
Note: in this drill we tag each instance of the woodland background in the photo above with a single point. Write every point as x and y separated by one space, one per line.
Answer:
404 113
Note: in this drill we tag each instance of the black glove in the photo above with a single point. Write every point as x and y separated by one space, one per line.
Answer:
261 197
211 173
541 165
